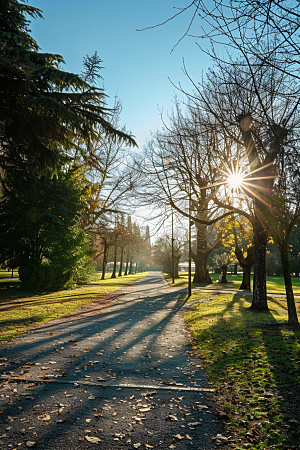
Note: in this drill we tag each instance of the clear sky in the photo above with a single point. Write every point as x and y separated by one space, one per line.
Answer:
136 64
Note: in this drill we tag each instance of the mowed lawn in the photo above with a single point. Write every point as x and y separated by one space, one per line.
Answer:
6 274
252 360
275 285
20 309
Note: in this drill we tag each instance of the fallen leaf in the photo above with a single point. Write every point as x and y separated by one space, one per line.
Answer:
148 394
148 446
30 444
91 397
178 436
137 445
44 418
172 418
188 437
88 420
93 439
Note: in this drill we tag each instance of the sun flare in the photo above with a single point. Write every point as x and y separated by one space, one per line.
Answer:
235 180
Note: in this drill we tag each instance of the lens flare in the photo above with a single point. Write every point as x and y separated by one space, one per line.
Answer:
235 180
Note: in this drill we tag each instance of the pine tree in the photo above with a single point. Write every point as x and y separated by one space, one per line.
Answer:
40 230
42 106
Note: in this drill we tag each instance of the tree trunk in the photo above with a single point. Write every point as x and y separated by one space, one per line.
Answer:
176 269
113 275
224 273
246 281
130 266
121 262
259 301
127 262
105 253
292 313
201 275
235 269
246 264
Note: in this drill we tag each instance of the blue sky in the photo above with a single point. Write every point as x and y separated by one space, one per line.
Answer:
136 64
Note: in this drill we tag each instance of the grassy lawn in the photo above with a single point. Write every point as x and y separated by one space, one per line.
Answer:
274 284
253 361
6 274
19 309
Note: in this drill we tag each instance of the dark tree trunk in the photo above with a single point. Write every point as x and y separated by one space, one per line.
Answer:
246 281
176 269
292 313
224 273
121 262
130 266
259 301
203 250
246 264
235 269
127 263
201 275
113 275
105 253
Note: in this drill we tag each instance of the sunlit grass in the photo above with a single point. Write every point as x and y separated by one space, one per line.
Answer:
252 362
6 274
275 285
19 309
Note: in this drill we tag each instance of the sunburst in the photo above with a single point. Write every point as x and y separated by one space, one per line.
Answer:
238 180
235 180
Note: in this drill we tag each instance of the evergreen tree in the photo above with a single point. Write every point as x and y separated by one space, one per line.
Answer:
41 106
39 228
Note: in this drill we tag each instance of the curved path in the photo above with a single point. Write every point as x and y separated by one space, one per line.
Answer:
119 377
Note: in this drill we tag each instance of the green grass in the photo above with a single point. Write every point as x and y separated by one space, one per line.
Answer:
6 274
274 284
254 366
20 309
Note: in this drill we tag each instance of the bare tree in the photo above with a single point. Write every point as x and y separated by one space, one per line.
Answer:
162 253
183 171
257 110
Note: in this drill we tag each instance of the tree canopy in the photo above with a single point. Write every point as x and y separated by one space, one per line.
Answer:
42 107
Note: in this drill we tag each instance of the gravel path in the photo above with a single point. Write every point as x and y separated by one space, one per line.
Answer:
117 375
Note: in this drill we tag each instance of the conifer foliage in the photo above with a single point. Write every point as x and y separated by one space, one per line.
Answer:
49 119
41 106
40 231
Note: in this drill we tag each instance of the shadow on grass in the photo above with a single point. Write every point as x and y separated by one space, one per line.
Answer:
12 294
256 359
112 338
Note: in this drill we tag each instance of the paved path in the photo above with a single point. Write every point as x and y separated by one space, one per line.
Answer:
120 377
